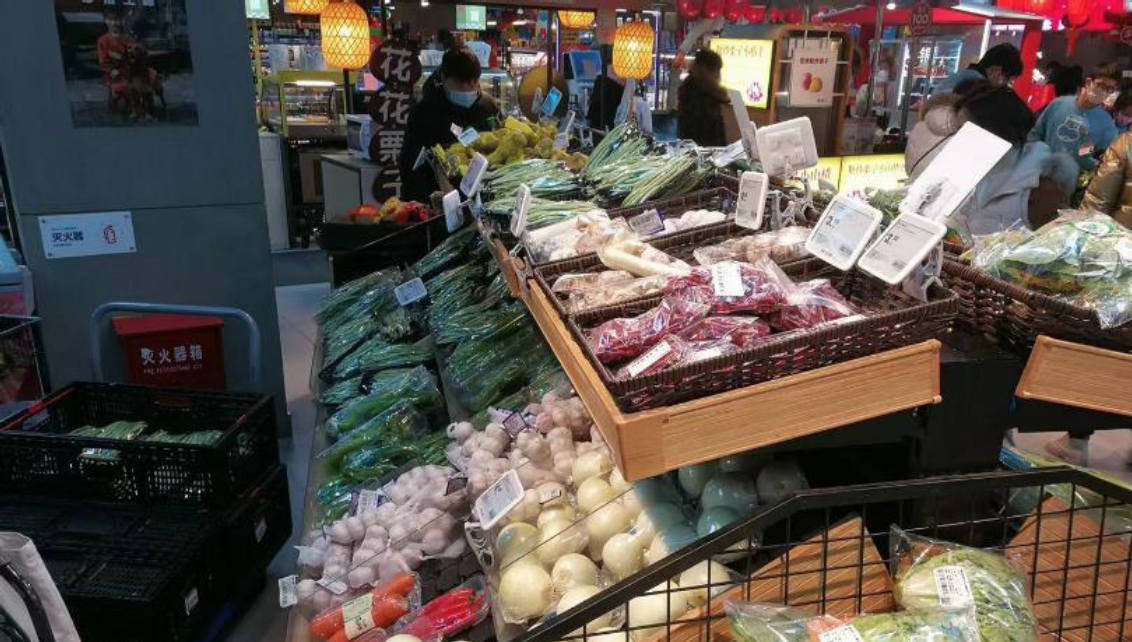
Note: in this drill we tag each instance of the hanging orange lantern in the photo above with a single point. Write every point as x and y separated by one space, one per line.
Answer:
306 7
576 19
345 35
1039 7
632 50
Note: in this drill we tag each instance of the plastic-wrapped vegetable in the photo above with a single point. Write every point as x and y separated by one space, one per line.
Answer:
625 338
809 304
729 287
457 610
447 253
380 608
641 259
669 351
348 337
388 455
375 302
741 331
416 386
935 574
120 430
195 438
472 323
780 246
772 623
375 354
401 421
343 297
582 300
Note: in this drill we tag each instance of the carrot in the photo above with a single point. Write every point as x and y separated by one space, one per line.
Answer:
401 584
385 611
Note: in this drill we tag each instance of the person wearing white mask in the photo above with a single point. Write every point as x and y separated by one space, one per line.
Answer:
1079 125
453 98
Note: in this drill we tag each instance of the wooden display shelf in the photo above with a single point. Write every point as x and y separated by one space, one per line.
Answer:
1077 375
509 265
651 442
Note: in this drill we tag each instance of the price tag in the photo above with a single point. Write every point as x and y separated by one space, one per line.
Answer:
192 598
498 500
952 587
841 634
421 158
646 360
901 247
920 280
468 136
358 615
703 355
522 210
517 422
726 280
843 231
562 140
288 591
453 213
725 156
410 292
647 223
549 495
260 529
369 500
335 586
470 186
951 176
752 200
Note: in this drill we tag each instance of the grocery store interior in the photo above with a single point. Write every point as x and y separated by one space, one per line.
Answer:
566 321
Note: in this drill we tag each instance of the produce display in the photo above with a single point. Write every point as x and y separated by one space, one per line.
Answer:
769 623
1084 259
393 210
781 246
547 179
514 142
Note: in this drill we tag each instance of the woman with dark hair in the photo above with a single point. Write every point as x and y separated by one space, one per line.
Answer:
607 93
999 66
1025 188
699 115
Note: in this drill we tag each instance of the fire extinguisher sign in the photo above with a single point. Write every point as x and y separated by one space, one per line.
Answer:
92 234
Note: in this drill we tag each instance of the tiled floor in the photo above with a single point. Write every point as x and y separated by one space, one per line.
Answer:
265 621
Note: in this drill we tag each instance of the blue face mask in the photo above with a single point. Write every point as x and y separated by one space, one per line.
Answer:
462 98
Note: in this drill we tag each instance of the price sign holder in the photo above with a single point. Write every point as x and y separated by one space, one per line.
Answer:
562 140
468 136
749 210
901 247
498 500
522 210
646 223
844 229
410 292
551 102
470 186
453 211
919 282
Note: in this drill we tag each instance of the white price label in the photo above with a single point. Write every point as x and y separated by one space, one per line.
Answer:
562 140
471 183
726 279
843 231
646 360
749 210
498 500
369 500
410 292
704 355
901 247
260 529
646 223
522 210
468 136
456 130
453 213
421 158
841 634
358 616
288 591
725 156
952 587
335 586
549 495
953 173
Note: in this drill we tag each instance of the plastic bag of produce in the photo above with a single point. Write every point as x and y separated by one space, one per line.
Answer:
374 302
473 323
589 281
613 294
935 574
640 259
382 390
669 351
343 297
347 337
743 332
773 623
810 304
730 286
780 246
376 354
402 421
451 613
628 337
447 253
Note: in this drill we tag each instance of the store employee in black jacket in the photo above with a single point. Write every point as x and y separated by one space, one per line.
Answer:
454 97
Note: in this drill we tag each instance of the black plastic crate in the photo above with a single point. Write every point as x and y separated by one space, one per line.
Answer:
259 526
37 455
403 247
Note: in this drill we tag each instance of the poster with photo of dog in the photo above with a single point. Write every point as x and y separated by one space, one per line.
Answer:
127 63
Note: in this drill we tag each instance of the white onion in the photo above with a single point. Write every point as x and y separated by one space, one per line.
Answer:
593 493
515 541
573 570
697 576
622 556
558 538
631 502
525 592
606 522
556 512
588 465
617 481
655 611
576 596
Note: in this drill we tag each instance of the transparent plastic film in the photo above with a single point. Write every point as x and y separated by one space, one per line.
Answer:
772 623
781 246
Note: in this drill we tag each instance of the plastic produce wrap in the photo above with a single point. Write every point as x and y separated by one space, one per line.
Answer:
691 220
475 323
400 422
589 281
374 302
375 355
626 338
810 304
345 296
612 294
772 623
935 574
640 259
382 391
448 253
576 235
487 369
349 336
740 331
451 613
380 607
1085 260
780 246
669 351
730 287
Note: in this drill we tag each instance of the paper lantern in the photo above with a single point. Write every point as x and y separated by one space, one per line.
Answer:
306 7
1039 7
576 19
632 50
345 35
689 9
755 13
733 10
713 8
1078 12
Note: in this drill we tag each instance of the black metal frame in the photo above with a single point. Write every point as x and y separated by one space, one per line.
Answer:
969 509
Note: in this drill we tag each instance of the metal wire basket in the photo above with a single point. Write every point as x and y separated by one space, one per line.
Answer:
827 552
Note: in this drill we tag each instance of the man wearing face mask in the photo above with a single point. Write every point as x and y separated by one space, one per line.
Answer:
1079 125
1000 65
455 99
1119 106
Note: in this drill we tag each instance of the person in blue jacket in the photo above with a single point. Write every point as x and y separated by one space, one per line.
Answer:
1079 125
1000 65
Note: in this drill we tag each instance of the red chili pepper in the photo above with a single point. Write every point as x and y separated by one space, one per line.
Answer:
448 614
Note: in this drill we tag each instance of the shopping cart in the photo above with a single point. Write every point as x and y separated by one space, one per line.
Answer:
827 552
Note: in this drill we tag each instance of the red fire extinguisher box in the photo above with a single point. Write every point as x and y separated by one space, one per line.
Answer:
175 350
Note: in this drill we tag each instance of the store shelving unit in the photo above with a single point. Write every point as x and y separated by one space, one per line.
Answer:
1077 375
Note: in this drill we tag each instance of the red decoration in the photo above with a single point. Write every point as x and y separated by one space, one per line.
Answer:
713 8
734 10
689 9
1039 7
755 13
1078 13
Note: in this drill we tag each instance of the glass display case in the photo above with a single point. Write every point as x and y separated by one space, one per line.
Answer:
927 61
496 82
304 104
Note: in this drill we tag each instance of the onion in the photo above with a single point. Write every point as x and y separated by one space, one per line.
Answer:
655 610
593 493
515 541
558 538
693 478
617 482
606 522
525 592
669 539
631 502
733 490
576 596
573 570
779 480
714 519
556 512
653 519
697 576
622 556
591 464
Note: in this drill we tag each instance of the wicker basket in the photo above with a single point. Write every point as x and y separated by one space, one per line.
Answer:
1013 316
893 319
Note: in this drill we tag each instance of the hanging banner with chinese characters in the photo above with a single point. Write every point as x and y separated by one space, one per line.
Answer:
397 68
812 74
